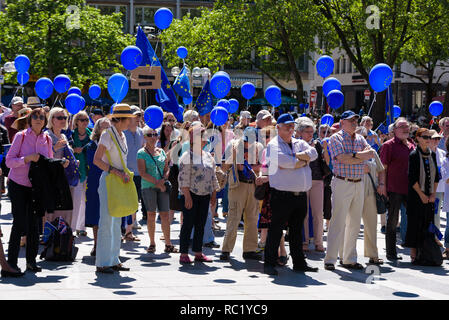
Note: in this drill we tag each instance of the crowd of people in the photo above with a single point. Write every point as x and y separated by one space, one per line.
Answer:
284 179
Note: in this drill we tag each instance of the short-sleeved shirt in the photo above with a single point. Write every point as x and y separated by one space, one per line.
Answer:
372 140
107 141
135 141
59 154
343 143
395 155
150 166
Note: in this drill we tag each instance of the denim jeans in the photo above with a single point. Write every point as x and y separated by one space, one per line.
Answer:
446 233
109 233
403 224
208 232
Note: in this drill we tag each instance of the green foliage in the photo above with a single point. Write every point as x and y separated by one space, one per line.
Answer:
39 29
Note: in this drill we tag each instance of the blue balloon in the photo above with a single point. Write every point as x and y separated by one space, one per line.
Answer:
131 57
273 95
94 91
23 78
380 77
153 116
91 123
22 63
180 115
44 88
436 108
163 18
325 66
118 86
0 57
327 119
248 90
219 116
234 105
224 103
335 99
62 83
187 100
396 111
331 84
74 103
182 52
220 84
74 90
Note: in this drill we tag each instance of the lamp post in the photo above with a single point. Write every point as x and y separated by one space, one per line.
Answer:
196 73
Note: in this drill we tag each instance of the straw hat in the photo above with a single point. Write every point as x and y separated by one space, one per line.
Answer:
34 102
21 120
121 110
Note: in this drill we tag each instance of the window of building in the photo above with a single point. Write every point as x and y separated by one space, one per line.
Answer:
192 11
107 10
337 66
343 65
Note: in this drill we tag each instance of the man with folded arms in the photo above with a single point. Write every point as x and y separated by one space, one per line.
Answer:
290 178
348 151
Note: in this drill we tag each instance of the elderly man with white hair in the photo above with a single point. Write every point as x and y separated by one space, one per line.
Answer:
372 137
444 126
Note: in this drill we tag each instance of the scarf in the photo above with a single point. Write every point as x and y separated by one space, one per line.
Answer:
422 174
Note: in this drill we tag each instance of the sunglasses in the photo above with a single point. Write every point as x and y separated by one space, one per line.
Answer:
36 117
82 120
171 120
426 137
149 135
61 118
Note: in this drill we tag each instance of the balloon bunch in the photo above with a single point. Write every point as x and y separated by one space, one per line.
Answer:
331 86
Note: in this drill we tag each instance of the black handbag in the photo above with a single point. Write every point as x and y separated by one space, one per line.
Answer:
261 191
167 183
381 200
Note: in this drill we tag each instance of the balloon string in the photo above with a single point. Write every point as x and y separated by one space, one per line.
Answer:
56 100
123 84
372 103
17 90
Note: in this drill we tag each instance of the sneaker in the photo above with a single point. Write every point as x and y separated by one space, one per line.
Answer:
383 229
202 258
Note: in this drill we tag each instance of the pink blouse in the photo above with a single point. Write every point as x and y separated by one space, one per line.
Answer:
25 143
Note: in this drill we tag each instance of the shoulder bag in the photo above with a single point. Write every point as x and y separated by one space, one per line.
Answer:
381 200
167 183
122 197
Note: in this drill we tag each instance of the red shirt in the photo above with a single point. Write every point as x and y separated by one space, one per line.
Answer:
394 154
9 120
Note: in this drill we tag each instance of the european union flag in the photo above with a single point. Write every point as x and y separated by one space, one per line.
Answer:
204 102
166 95
389 106
181 84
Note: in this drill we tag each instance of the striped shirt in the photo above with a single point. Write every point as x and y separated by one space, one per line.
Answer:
342 143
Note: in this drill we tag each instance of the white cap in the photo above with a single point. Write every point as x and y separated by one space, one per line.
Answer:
263 114
245 115
16 100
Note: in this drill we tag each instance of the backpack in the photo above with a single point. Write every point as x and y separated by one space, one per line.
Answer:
60 245
430 253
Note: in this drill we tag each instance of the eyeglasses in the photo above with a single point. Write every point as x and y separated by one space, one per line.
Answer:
426 137
149 135
36 117
61 118
82 120
138 115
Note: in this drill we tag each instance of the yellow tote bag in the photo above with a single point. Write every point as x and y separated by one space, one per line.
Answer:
122 197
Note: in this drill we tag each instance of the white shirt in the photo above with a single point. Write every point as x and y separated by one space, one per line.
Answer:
280 155
106 141
440 155
444 177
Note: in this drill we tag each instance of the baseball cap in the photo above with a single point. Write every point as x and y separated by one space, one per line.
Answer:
263 114
16 100
285 118
245 115
348 115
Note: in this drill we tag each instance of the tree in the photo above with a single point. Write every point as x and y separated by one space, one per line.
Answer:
269 35
396 24
56 42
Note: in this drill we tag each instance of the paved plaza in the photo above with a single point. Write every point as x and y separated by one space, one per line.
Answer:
160 276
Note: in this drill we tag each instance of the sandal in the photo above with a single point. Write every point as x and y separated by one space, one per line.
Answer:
170 249
130 237
376 261
151 248
282 261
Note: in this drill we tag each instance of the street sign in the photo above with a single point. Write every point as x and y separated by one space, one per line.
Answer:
146 78
367 94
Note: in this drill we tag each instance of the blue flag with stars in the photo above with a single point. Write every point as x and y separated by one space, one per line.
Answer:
204 102
389 106
166 94
181 84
